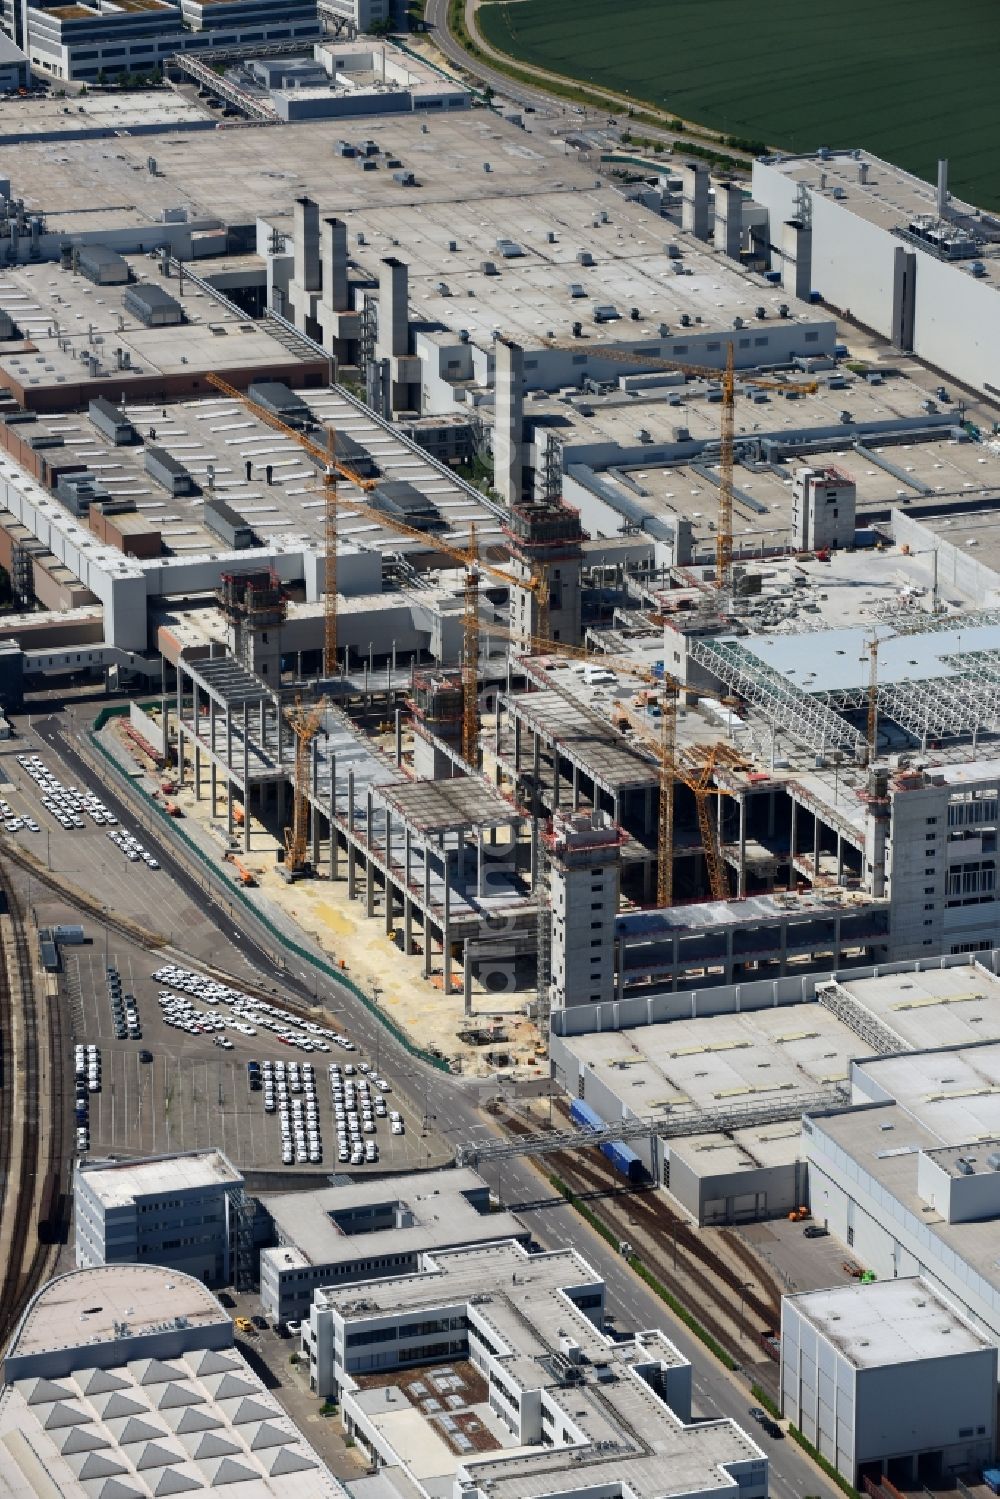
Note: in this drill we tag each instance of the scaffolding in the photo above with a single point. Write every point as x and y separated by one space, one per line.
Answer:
783 704
243 1212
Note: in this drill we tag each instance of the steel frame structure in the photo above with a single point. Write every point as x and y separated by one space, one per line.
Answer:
671 1126
874 1032
805 717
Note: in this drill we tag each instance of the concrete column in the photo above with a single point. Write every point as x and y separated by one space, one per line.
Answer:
791 839
393 309
840 860
307 244
196 721
517 744
694 206
407 898
728 219
466 979
246 776
741 868
313 807
370 858
351 869
796 258
508 429
399 737
479 861
576 788
334 847
334 257
180 721
427 911
388 872
556 778
815 847
446 929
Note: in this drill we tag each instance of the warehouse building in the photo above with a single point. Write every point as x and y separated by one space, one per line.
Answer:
889 1380
894 253
126 1381
505 1386
175 1210
368 1229
722 1075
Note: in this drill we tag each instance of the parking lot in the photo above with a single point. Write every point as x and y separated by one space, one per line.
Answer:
193 1091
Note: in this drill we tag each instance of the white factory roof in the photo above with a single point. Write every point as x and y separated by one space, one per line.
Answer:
88 1307
436 1205
932 1007
889 1322
625 1434
99 1424
117 1183
954 1093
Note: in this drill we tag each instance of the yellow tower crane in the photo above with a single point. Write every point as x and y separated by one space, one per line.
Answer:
727 377
304 719
475 567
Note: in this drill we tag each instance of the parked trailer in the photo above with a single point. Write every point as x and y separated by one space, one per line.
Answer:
617 1152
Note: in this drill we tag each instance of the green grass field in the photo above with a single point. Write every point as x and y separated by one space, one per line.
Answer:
911 80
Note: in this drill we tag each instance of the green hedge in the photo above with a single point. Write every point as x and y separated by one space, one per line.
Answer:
821 1462
635 1263
237 895
763 1398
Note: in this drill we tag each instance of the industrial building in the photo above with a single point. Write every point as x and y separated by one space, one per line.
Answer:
888 1379
505 1387
180 1211
714 1082
895 254
126 1380
366 1230
86 43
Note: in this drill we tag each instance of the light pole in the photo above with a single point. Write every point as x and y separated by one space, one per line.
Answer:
744 1288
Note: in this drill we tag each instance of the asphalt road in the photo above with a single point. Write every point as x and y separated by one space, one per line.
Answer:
452 1108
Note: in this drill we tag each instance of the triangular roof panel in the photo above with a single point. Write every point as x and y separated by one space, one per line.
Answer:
155 1371
62 1414
45 1391
140 1431
212 1445
287 1460
173 1395
231 1385
113 1488
100 1382
269 1435
214 1362
252 1410
96 1465
155 1455
172 1482
78 1439
229 1471
117 1405
193 1420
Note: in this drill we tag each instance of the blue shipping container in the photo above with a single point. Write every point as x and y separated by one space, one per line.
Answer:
991 1478
582 1113
618 1153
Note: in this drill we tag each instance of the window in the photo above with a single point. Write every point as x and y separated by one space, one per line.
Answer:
931 821
761 343
928 889
930 837
812 338
850 1235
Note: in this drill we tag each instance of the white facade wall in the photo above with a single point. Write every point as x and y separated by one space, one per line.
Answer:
956 317
885 1235
184 1228
855 1416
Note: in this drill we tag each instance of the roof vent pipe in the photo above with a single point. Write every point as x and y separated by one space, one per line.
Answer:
942 188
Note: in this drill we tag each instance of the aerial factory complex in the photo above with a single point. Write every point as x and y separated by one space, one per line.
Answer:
499 786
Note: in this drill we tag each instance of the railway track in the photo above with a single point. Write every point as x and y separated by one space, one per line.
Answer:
698 1264
44 1154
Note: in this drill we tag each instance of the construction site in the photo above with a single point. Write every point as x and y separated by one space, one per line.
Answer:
614 629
